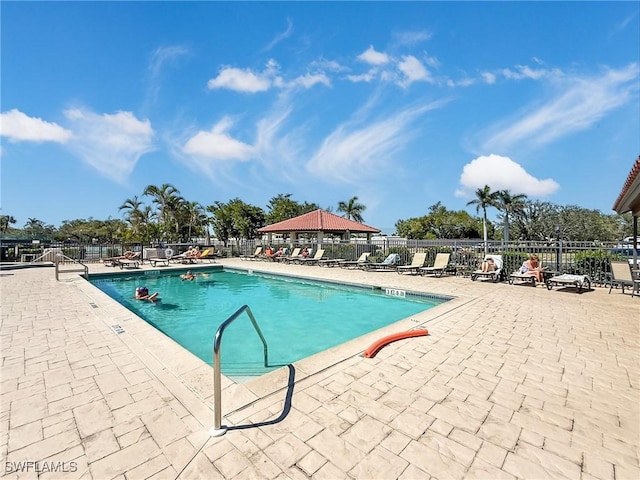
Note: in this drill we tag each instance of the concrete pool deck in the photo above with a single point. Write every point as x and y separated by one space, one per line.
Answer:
512 382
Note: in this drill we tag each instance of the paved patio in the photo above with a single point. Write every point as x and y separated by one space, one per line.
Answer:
512 382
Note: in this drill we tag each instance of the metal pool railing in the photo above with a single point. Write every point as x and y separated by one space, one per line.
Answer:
218 429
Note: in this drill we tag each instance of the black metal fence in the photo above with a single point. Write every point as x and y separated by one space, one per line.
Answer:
586 258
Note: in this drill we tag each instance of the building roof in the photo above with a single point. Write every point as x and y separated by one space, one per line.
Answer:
629 198
318 221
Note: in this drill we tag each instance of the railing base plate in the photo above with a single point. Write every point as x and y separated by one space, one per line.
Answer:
217 432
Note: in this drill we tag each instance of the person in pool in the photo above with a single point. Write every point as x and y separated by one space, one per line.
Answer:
188 276
142 293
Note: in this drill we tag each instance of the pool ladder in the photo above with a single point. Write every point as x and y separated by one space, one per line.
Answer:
218 429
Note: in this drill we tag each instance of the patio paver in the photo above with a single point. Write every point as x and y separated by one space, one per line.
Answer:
512 382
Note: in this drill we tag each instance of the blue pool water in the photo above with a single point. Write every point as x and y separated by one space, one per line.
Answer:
297 317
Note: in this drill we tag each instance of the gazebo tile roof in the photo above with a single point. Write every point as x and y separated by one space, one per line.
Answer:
318 220
634 177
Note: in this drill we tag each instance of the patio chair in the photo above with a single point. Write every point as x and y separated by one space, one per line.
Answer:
416 262
364 258
440 264
311 260
287 258
128 255
494 275
389 263
207 255
621 275
255 255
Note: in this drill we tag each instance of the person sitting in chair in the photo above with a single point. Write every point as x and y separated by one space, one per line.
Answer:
488 265
532 267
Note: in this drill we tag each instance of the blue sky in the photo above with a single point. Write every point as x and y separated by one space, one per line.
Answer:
400 104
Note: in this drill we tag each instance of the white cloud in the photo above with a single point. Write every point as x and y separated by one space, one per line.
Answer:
281 36
583 102
240 80
217 144
488 77
364 77
411 38
112 144
526 72
163 55
19 127
249 82
353 152
373 57
309 80
413 71
502 173
330 65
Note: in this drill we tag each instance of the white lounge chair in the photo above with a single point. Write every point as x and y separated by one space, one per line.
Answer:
494 275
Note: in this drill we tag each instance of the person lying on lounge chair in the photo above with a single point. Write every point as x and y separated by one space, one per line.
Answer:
128 255
273 255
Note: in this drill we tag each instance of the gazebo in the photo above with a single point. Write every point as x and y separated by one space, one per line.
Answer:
629 201
319 222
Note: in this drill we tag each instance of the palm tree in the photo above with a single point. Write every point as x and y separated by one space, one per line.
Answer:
510 204
196 218
484 198
166 199
5 221
352 209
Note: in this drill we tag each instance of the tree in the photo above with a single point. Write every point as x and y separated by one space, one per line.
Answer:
281 208
510 204
352 209
484 198
168 201
222 221
439 223
236 219
196 218
5 221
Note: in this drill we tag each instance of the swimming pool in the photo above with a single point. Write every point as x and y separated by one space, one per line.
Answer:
298 317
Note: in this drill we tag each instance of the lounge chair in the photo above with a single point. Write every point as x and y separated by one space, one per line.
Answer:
207 255
115 261
256 255
389 263
494 275
287 258
416 262
621 275
330 262
364 258
440 265
129 261
311 260
579 282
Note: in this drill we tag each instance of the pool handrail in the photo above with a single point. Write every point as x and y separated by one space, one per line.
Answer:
63 258
218 429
